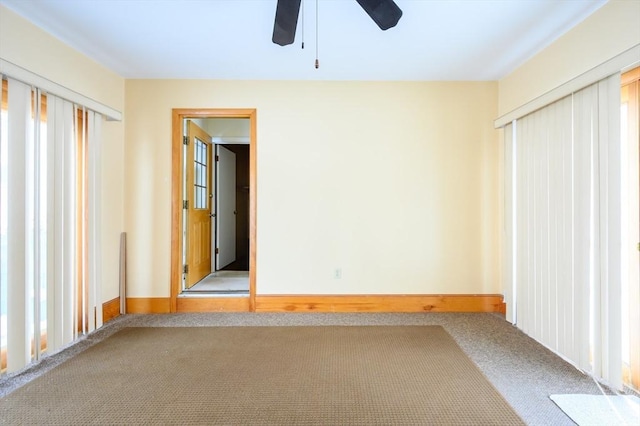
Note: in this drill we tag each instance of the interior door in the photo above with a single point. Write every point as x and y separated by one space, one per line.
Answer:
226 207
198 196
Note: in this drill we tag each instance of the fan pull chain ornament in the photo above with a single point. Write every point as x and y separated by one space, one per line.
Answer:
302 25
317 62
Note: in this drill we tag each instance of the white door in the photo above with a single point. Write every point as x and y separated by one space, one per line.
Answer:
226 207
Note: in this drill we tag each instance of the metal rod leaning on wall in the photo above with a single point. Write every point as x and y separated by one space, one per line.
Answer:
123 273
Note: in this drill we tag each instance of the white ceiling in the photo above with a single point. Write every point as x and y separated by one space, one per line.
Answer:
231 39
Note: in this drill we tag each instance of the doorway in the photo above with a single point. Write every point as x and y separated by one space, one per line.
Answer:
216 178
213 176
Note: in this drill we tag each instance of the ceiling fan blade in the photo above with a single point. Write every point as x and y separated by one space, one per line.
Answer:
385 13
284 27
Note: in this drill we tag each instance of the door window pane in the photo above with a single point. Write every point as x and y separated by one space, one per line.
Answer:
201 171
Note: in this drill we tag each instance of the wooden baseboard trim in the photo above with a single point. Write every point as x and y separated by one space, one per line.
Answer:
148 305
212 304
110 309
382 303
323 303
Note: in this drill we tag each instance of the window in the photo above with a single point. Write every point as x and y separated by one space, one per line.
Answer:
563 226
48 230
201 173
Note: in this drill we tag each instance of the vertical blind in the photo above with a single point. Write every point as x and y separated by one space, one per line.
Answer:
563 230
18 319
52 218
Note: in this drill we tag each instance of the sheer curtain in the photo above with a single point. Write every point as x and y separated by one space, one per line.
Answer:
52 216
562 227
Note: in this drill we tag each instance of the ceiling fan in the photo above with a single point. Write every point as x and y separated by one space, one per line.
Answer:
385 13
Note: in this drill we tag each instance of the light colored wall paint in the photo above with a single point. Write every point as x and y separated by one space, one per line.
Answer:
25 45
28 46
394 183
226 130
227 127
611 30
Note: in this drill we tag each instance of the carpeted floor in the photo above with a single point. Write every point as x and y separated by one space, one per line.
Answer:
523 371
367 375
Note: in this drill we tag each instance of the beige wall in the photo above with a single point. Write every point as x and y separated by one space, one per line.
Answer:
228 127
400 180
29 47
393 182
611 30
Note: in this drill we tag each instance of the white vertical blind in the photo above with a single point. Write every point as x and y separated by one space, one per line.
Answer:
563 229
62 143
71 322
43 224
583 242
94 127
35 230
608 343
563 195
521 225
509 235
54 231
19 130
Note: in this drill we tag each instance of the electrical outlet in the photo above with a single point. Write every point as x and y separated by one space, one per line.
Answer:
337 274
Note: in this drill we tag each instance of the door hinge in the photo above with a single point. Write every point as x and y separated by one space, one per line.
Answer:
185 140
217 250
185 269
217 158
185 204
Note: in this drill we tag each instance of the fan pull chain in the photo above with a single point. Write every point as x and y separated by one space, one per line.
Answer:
302 11
317 62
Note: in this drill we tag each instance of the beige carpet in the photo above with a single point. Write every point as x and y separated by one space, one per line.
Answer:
330 375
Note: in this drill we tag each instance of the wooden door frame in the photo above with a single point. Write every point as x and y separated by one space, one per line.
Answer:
212 304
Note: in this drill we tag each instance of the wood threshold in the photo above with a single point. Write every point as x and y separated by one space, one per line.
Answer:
213 304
